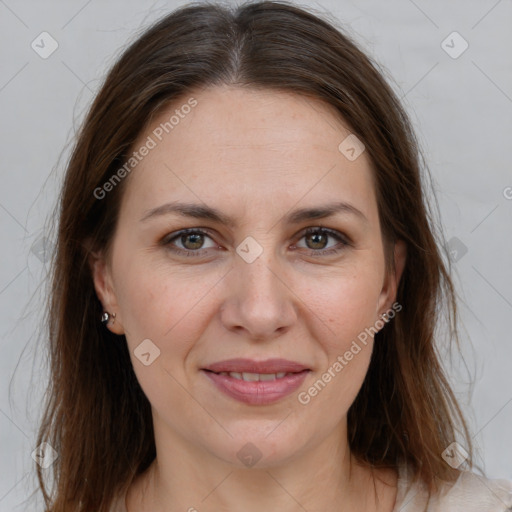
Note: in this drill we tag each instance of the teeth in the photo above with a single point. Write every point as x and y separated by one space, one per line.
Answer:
250 377
255 377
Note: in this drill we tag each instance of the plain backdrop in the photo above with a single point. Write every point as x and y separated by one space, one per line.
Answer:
460 102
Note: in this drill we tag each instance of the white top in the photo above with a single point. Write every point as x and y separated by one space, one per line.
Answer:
470 493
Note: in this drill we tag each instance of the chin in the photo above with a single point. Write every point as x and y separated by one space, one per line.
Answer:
263 449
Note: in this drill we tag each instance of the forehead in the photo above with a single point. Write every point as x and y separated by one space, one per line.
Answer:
267 146
260 120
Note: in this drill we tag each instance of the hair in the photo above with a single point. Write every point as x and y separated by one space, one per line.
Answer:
96 415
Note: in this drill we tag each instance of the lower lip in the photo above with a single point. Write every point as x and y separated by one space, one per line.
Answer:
260 392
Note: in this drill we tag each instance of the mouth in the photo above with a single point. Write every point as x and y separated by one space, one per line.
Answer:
256 383
251 366
257 377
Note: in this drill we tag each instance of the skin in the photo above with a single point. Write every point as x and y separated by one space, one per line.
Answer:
254 155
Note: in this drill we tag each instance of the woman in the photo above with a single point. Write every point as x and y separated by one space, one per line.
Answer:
285 358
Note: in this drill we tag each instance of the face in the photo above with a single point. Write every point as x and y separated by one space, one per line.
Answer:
258 283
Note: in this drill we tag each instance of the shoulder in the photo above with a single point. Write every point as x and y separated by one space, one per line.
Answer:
470 493
474 492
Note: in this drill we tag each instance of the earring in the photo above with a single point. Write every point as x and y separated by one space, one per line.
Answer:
384 317
105 317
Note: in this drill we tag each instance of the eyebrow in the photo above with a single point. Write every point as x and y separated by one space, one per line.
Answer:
198 211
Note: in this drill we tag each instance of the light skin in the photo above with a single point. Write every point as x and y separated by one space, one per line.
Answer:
255 156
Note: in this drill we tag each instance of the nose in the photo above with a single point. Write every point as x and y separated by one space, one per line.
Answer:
259 301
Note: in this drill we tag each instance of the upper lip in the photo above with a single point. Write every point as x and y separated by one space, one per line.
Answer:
252 366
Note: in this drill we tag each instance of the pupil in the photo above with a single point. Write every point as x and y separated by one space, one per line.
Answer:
198 241
316 236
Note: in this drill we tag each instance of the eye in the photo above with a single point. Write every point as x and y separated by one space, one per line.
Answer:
192 241
317 240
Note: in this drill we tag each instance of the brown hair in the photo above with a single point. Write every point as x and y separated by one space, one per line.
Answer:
96 416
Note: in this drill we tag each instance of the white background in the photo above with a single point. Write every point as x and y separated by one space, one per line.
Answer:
462 111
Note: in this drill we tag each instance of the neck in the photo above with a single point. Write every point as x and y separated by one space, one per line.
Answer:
327 477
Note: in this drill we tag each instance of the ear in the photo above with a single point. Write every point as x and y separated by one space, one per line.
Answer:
391 282
103 284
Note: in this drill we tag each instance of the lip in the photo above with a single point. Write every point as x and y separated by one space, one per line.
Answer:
260 392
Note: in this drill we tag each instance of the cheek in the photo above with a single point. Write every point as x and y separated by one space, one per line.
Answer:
167 311
343 306
168 306
348 309
341 313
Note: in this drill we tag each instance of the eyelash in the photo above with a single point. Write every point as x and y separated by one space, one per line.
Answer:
167 242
